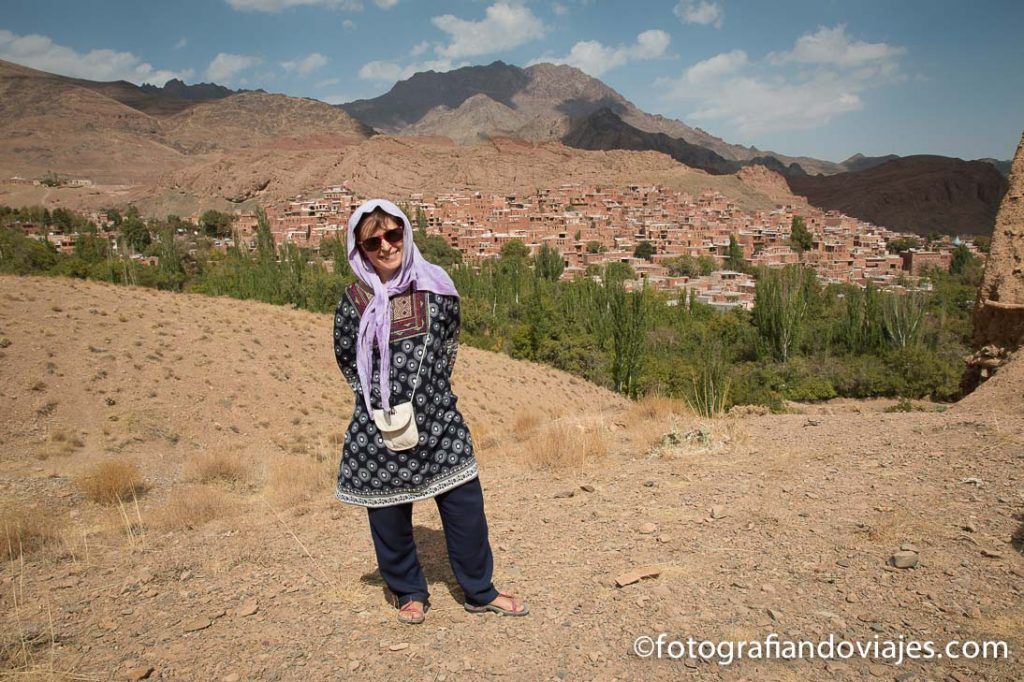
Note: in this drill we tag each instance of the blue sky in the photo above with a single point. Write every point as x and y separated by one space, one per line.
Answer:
802 77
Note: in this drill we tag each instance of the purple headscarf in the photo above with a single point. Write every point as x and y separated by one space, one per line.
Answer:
376 319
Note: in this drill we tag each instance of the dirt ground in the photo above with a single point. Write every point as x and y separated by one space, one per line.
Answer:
754 524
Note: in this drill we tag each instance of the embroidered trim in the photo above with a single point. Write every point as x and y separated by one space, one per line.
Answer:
435 487
409 311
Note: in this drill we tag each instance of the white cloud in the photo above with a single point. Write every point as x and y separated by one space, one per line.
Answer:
327 82
392 71
700 12
831 46
306 65
336 99
505 26
559 9
419 49
40 52
386 4
225 66
348 25
824 76
181 43
279 5
593 58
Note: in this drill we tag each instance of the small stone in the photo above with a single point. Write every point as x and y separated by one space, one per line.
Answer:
664 539
564 493
719 511
908 547
248 608
844 563
775 615
769 588
139 672
852 599
399 647
353 666
185 575
647 528
974 612
636 575
198 624
648 484
969 527
587 488
991 554
231 677
904 559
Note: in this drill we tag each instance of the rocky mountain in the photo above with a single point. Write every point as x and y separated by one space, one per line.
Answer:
200 92
605 130
539 103
859 162
121 135
921 194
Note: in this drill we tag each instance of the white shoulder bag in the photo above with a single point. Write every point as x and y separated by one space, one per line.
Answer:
398 425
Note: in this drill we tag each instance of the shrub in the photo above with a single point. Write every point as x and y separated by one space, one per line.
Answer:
111 481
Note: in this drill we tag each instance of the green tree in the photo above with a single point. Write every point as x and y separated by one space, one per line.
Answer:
595 247
961 260
135 233
645 250
421 220
437 250
902 244
629 324
780 304
266 249
734 259
514 249
216 224
800 238
549 263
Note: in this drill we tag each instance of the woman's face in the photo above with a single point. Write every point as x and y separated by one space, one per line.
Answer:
387 258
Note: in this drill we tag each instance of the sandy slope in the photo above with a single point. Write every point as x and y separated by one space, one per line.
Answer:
810 507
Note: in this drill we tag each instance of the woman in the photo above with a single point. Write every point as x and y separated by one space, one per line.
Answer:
400 320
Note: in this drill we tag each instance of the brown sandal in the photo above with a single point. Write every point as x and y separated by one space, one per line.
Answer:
410 614
516 610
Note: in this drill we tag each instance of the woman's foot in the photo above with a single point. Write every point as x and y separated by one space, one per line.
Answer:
412 613
504 604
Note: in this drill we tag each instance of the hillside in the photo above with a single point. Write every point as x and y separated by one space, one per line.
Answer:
540 102
921 194
237 563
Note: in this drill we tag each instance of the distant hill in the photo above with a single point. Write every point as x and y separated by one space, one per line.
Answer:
540 103
603 129
921 194
200 92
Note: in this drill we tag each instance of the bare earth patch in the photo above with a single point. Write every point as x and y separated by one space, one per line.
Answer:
239 564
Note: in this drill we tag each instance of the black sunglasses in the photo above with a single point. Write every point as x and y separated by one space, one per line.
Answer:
394 236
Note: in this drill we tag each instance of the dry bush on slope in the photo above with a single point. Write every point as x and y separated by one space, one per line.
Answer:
23 531
111 481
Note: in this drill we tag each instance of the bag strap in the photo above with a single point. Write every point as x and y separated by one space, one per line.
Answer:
419 370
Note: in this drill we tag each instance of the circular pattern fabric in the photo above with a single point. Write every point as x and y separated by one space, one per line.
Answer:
370 474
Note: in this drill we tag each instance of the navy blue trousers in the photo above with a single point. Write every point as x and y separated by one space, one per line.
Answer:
465 533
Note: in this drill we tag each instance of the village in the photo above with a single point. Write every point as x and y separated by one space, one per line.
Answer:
592 226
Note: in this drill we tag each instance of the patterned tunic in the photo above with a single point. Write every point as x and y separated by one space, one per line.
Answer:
371 475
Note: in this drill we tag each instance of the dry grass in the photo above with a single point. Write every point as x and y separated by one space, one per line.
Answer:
292 479
189 507
230 466
111 481
648 420
561 446
23 531
525 424
62 442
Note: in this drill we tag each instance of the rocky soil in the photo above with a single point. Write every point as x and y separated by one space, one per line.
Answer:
785 524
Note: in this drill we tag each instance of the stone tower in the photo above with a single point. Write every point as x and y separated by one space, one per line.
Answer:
999 313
